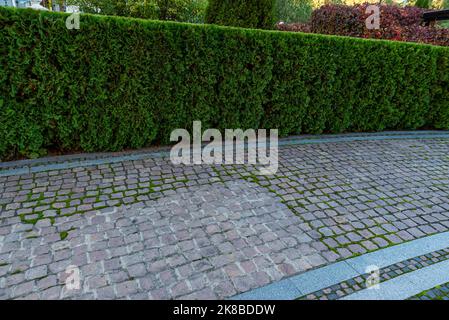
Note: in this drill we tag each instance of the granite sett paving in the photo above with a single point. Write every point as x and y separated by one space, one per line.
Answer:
147 229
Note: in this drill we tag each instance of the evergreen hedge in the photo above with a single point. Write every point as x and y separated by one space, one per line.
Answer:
259 14
126 83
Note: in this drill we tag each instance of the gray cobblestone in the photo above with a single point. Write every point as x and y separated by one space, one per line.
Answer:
327 202
37 272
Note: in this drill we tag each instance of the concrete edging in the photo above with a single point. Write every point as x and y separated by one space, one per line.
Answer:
314 280
22 167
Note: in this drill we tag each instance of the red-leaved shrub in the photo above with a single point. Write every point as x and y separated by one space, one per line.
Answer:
350 20
423 34
337 20
396 23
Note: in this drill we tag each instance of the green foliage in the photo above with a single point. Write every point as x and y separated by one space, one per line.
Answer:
194 11
121 83
176 10
294 11
182 10
242 13
425 4
134 8
439 113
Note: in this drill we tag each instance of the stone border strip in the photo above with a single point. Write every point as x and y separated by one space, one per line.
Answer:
165 150
407 285
350 286
440 292
324 277
84 160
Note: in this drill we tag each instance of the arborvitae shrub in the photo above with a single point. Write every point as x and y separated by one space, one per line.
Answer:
242 13
121 83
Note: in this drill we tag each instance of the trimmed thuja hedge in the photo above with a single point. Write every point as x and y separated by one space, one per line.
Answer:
124 83
242 13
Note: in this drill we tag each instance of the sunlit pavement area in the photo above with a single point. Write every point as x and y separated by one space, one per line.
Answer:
138 227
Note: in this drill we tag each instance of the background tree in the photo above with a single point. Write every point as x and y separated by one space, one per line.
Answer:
176 10
293 11
425 4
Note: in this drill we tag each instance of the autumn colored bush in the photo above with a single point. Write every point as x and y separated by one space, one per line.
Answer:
350 20
396 23
423 34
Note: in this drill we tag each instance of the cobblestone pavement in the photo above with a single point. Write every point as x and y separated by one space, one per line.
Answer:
438 293
149 229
